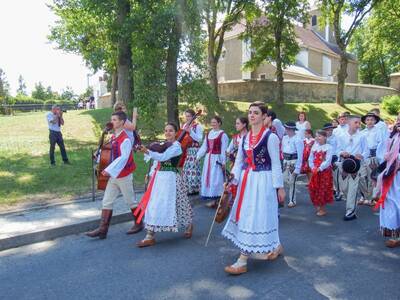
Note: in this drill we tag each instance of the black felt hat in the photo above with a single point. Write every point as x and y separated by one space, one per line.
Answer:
351 165
328 126
290 125
377 119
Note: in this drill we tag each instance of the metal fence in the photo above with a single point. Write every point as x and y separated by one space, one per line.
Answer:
10 108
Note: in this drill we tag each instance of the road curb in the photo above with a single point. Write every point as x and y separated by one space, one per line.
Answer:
53 233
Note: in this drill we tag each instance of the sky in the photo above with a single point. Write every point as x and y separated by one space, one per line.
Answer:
25 50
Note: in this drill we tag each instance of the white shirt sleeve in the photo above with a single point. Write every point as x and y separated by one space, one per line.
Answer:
153 167
381 151
203 149
119 163
364 147
51 118
174 150
224 146
230 147
237 167
276 168
299 149
328 159
197 134
311 158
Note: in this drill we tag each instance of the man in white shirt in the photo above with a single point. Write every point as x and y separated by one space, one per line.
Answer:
374 137
292 148
343 126
352 143
381 125
120 176
55 121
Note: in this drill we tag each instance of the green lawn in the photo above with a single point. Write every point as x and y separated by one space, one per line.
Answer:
25 173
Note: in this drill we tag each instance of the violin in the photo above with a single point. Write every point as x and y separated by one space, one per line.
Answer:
104 150
160 147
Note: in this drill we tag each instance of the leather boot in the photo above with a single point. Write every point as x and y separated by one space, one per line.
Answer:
101 232
136 227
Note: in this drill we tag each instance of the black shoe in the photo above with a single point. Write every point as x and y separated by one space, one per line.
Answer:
349 218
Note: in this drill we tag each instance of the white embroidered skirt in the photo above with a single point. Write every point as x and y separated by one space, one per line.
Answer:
215 187
390 215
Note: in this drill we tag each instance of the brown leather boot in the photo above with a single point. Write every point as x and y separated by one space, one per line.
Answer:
101 232
136 227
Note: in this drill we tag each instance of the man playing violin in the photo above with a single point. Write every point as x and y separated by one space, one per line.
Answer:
120 175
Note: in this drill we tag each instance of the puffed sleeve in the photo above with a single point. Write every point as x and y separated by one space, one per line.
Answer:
196 133
273 150
230 147
311 157
224 146
174 150
328 159
203 149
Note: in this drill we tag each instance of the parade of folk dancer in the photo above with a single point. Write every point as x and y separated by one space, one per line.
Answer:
120 181
129 126
320 186
191 167
214 149
375 137
165 206
388 187
352 149
292 148
253 223
242 127
308 142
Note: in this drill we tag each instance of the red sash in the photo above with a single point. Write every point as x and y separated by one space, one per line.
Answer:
386 185
141 208
253 141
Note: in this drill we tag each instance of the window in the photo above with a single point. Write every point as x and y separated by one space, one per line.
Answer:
327 67
314 20
262 76
302 58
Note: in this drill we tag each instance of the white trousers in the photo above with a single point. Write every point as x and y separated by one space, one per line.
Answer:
290 178
117 186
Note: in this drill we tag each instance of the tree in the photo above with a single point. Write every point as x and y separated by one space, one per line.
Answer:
39 92
21 86
4 87
67 94
270 30
332 12
231 12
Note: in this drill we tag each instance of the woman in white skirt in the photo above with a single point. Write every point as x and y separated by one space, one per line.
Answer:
389 186
191 167
165 204
253 222
214 149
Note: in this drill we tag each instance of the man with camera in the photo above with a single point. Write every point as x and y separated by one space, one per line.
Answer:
55 121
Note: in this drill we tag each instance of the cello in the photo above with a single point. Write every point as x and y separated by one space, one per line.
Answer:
104 154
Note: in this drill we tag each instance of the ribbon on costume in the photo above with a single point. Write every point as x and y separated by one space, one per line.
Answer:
141 208
250 166
386 185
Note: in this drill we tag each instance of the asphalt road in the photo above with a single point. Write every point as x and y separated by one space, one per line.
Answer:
325 258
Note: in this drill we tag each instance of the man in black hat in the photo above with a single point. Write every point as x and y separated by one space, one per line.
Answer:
374 137
352 147
292 148
380 125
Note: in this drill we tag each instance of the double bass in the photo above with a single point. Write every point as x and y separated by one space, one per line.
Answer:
181 136
104 154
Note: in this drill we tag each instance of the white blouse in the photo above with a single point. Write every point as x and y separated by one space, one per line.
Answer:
328 158
213 134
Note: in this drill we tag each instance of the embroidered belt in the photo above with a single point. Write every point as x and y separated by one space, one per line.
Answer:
289 156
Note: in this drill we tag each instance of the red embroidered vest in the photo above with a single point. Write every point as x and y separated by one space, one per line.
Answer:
214 146
116 152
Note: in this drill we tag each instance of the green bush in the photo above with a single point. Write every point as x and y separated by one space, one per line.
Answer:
391 104
22 99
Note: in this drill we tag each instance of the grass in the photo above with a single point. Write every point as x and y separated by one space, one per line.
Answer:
25 174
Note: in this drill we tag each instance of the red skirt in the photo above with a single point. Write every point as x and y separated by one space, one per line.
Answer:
321 187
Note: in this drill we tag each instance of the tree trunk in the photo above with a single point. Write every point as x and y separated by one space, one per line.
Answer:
114 86
172 71
341 78
212 69
125 66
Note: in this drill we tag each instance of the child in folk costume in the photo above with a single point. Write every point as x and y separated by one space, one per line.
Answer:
214 149
120 172
241 125
331 140
191 167
321 182
343 124
253 222
165 204
308 143
292 147
374 138
389 186
352 149
302 124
